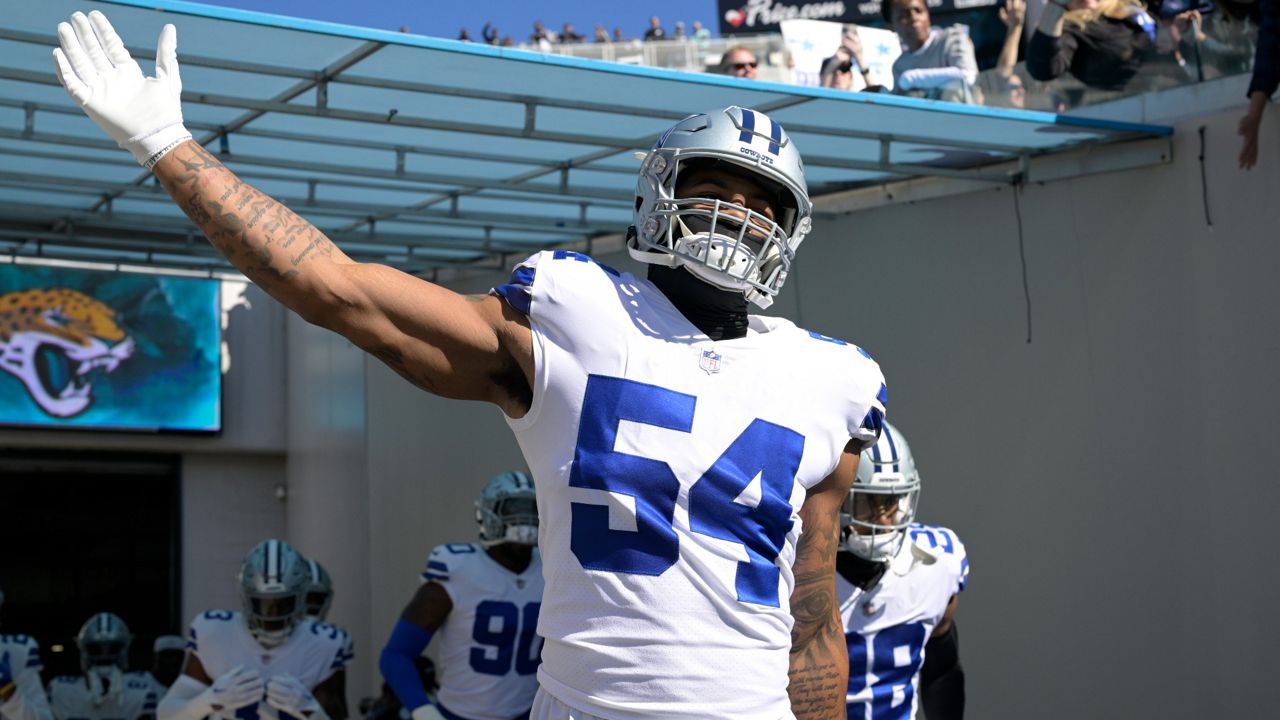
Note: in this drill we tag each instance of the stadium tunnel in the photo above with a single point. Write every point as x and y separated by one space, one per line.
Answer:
936 227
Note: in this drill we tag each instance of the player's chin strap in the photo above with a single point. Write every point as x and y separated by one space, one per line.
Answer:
861 573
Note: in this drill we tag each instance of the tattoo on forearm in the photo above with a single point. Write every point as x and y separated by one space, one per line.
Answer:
246 226
819 658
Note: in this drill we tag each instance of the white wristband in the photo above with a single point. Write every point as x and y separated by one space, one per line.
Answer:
149 149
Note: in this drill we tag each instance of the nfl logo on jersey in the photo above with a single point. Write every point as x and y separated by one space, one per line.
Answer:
710 361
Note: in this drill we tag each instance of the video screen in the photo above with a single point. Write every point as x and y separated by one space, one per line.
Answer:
109 350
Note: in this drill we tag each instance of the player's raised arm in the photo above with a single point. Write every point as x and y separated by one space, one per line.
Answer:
819 657
464 347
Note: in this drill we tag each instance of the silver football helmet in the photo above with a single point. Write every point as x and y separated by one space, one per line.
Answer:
319 591
723 243
273 585
507 510
103 643
883 499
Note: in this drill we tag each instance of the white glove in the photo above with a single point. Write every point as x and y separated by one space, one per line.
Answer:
236 688
142 114
287 694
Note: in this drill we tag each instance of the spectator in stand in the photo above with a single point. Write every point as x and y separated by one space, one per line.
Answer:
568 36
489 33
700 34
1266 76
837 70
936 63
1102 43
617 35
738 61
602 35
655 31
1001 86
465 35
541 37
679 32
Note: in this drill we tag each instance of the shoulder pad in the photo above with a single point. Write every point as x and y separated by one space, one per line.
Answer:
448 558
67 679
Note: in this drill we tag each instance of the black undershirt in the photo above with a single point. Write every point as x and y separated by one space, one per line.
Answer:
720 314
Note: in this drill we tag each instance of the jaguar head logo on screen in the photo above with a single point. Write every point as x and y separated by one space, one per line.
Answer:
51 340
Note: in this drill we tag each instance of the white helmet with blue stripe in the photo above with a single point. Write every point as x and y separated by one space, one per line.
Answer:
507 510
883 499
103 643
273 582
725 244
319 591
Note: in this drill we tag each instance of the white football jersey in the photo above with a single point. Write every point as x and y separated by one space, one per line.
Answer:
70 699
489 648
314 652
670 469
28 701
887 628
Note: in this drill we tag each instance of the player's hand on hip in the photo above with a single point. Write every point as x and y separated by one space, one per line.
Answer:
142 114
237 688
287 694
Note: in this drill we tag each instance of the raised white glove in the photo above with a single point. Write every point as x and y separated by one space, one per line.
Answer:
287 694
142 114
236 688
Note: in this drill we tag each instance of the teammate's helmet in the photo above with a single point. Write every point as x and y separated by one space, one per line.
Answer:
751 256
507 510
887 488
319 591
273 583
103 643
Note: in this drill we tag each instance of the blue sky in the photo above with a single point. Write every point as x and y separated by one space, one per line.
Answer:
512 17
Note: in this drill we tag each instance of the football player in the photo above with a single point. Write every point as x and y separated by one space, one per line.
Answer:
167 655
679 445
268 660
898 584
483 599
106 691
319 591
22 695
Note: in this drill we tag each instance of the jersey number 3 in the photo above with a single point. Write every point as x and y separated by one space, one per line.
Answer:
764 451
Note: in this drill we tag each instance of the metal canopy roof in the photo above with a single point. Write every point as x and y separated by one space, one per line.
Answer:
421 152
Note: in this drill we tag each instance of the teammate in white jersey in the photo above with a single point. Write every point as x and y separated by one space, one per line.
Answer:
168 653
690 460
22 695
483 599
898 584
106 690
268 662
319 597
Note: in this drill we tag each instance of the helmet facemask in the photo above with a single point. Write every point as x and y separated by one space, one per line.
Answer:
723 243
103 643
874 518
507 511
273 585
271 618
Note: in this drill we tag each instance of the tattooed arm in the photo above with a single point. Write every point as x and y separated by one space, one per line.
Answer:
475 348
819 657
469 347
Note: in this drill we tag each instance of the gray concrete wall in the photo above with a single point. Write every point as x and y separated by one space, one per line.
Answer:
328 507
